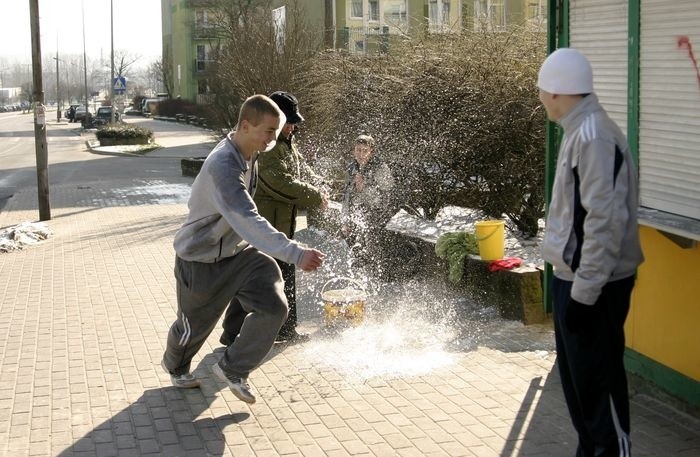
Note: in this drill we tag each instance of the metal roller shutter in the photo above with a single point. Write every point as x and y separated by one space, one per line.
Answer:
599 30
669 132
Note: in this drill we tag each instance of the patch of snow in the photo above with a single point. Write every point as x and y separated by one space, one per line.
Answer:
456 219
23 234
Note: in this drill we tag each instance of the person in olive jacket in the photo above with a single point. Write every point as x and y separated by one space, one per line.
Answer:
284 186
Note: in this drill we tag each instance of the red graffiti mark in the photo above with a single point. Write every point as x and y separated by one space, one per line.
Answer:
684 43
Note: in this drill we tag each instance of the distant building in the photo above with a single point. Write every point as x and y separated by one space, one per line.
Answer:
358 26
187 40
10 94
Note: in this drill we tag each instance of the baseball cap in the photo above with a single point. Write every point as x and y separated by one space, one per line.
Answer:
289 105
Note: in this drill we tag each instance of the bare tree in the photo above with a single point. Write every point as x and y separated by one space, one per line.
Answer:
123 61
161 72
255 53
455 116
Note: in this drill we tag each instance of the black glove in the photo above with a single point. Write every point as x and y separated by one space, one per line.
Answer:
580 317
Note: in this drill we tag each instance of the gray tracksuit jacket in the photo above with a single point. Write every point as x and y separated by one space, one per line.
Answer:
591 235
223 219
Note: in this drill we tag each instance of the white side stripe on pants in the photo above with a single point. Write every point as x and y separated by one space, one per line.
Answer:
185 338
623 439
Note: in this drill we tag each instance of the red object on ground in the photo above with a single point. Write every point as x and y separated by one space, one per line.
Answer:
505 263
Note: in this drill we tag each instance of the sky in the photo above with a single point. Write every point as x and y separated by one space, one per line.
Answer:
137 28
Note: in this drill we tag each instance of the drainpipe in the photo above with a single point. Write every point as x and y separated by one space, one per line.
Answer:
335 24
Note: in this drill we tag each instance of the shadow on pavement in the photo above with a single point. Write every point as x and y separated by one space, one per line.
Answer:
166 421
532 432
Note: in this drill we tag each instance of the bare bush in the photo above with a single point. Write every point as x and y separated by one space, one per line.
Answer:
255 55
457 116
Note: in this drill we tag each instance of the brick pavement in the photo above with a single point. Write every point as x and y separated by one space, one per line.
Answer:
84 320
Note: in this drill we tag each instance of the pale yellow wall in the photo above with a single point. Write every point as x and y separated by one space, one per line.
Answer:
664 320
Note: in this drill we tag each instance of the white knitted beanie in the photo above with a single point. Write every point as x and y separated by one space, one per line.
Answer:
566 71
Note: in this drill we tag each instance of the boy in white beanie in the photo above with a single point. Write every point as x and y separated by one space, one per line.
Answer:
592 241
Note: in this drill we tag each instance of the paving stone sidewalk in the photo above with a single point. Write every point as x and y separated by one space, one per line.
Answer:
85 316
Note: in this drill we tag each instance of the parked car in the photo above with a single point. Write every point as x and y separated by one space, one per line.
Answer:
103 116
70 112
149 106
80 114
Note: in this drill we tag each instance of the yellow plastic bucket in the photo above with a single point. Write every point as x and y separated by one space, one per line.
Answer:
491 238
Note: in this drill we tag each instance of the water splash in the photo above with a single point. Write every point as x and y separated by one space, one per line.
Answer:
393 348
412 326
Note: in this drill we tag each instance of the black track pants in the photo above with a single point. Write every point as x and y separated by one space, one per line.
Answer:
592 372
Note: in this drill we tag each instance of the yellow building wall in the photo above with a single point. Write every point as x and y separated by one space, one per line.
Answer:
664 319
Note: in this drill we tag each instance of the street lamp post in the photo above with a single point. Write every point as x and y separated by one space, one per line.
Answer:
2 86
85 65
58 92
111 80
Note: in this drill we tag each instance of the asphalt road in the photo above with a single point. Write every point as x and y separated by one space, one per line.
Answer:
70 161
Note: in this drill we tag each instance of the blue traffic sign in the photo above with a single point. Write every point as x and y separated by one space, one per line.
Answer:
119 85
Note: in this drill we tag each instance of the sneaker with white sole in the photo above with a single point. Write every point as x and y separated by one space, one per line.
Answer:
239 386
182 381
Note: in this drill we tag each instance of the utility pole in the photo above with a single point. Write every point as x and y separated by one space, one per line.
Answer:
111 80
87 110
58 92
41 147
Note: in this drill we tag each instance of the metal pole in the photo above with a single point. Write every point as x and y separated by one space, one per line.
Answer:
58 96
111 80
40 145
82 5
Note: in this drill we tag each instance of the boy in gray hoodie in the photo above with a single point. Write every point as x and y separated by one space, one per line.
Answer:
592 241
225 253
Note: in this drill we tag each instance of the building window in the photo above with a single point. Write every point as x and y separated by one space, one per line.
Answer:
202 86
535 10
395 12
202 57
439 13
489 15
201 18
374 10
356 9
279 18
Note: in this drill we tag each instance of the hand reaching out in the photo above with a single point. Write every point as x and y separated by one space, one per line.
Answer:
311 260
359 183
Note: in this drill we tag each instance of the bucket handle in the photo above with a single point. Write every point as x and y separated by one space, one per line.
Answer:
495 229
342 278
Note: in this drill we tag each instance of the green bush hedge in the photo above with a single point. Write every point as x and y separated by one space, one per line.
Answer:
124 132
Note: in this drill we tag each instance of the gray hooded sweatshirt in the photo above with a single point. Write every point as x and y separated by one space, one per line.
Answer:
592 236
223 219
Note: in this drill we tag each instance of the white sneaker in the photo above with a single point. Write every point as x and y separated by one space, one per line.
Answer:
239 386
183 381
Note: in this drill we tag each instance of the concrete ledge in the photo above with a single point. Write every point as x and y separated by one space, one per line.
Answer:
516 293
191 166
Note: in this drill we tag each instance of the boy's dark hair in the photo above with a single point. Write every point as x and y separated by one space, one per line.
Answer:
365 139
255 107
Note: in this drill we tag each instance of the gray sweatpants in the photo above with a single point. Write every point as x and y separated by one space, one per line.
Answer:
204 290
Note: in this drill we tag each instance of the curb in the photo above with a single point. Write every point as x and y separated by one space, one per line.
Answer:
94 147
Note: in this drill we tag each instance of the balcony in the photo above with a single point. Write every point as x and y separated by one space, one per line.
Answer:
200 3
204 30
366 40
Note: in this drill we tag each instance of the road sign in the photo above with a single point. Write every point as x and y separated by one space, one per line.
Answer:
119 84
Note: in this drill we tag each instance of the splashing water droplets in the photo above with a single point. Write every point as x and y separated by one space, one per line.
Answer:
390 349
